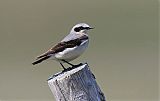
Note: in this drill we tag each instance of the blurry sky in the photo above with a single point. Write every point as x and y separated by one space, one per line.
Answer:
123 49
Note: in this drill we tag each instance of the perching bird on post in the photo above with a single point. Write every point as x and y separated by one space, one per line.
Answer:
77 83
71 47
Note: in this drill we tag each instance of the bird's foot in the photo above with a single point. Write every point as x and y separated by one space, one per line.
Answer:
75 66
70 68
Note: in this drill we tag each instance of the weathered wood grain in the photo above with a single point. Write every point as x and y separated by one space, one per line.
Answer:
76 84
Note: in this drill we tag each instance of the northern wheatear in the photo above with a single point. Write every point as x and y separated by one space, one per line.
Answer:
71 47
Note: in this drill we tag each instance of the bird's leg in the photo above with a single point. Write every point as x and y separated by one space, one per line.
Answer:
68 63
62 66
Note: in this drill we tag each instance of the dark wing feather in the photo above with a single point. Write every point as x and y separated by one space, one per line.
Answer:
59 48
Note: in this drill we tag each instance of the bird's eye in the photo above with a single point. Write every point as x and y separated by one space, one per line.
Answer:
77 29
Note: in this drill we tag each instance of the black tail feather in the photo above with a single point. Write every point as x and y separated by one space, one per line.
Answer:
40 60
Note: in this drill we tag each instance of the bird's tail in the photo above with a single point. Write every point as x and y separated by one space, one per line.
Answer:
40 60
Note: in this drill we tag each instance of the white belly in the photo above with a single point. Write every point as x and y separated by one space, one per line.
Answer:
70 54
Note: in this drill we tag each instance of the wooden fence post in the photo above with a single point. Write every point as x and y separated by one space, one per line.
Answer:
76 84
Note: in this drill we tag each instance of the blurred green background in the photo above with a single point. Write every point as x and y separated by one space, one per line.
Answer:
123 49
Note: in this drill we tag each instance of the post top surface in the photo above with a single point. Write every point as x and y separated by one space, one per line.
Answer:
69 71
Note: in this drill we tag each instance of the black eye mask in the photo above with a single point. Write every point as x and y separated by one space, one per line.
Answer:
77 29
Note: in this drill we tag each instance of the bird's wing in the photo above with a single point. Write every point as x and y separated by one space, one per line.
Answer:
59 48
51 51
62 46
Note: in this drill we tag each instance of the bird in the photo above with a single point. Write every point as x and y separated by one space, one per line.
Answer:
70 48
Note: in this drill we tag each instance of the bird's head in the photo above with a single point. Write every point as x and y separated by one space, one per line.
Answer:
81 28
